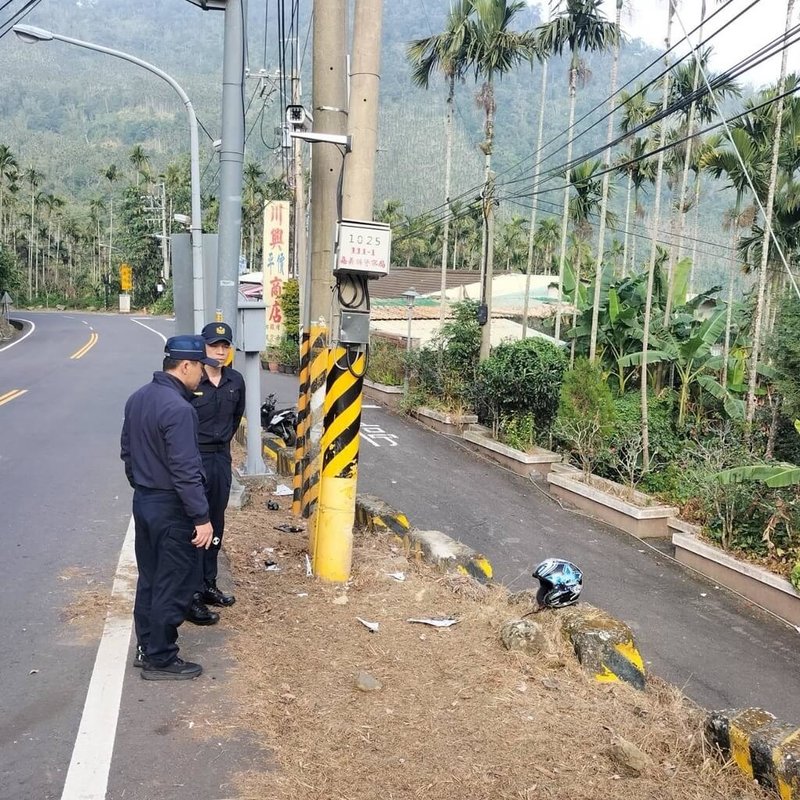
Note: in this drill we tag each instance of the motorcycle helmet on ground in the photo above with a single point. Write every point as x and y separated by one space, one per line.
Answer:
560 583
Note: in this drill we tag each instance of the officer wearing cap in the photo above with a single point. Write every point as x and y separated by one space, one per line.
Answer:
219 403
170 509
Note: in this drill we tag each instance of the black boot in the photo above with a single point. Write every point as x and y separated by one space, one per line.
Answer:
199 613
216 597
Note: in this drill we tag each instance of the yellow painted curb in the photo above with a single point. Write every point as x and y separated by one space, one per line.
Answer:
762 747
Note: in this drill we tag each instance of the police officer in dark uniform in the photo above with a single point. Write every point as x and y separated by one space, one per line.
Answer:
219 403
170 509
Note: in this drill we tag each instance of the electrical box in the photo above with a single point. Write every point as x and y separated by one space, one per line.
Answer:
354 327
363 247
251 331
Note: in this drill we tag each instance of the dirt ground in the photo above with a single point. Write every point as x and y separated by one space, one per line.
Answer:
454 714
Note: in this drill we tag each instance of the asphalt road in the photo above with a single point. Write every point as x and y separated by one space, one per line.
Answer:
64 513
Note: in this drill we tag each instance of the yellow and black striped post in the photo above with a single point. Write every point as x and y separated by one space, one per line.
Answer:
302 423
333 522
310 463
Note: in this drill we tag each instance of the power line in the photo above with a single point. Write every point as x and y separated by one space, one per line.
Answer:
746 64
17 16
516 165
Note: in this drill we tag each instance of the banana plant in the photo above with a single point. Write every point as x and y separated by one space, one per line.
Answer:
690 358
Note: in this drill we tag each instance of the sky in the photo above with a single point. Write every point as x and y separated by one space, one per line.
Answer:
646 19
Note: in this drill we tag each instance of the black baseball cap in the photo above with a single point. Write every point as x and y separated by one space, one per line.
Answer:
188 348
217 332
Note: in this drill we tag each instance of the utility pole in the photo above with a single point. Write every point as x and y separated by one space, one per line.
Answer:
333 524
329 104
300 248
231 159
164 241
488 276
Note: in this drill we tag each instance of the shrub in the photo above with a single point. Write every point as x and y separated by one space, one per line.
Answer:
386 362
289 301
444 371
518 431
794 576
665 442
521 377
585 413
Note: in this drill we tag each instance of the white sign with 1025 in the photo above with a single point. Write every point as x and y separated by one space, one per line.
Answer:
363 247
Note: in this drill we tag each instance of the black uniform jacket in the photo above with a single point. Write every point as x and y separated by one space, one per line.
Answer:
159 443
219 409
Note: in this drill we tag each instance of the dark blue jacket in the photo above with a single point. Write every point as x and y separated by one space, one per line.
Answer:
219 409
159 443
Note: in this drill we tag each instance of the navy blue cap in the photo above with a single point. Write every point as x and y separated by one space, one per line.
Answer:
188 348
217 332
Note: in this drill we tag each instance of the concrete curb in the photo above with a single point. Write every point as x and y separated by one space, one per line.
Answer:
433 547
764 749
605 646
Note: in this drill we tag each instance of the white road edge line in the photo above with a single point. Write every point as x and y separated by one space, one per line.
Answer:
152 330
33 328
87 777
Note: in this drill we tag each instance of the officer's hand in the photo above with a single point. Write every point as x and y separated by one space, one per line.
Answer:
203 535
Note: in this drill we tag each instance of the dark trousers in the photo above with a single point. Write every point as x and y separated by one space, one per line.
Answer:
217 467
169 570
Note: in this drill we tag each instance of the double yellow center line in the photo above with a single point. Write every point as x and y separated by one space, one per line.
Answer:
87 347
12 395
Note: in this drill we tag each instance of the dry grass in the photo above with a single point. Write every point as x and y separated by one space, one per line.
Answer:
456 716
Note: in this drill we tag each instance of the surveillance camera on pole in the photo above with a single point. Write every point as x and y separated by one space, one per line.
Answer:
298 118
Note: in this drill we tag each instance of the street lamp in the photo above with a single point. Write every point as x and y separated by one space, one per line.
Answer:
410 296
32 35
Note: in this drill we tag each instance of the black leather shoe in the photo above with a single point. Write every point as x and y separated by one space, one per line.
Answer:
177 670
140 659
199 613
216 597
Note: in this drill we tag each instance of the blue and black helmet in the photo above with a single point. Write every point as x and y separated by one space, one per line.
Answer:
560 583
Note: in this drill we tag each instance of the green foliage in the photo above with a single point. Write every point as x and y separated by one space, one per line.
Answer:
386 363
585 413
289 302
445 370
10 272
665 441
518 431
138 248
784 348
794 576
288 352
165 302
522 377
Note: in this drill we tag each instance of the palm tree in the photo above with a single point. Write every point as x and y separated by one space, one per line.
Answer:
580 27
252 175
765 249
140 162
33 178
535 199
685 81
96 208
651 269
8 169
52 204
493 50
513 236
604 201
111 174
447 53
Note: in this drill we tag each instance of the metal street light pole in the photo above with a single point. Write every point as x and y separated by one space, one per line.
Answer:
410 295
32 35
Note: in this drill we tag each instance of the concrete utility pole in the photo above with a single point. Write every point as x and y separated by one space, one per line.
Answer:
333 528
329 100
231 159
488 276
